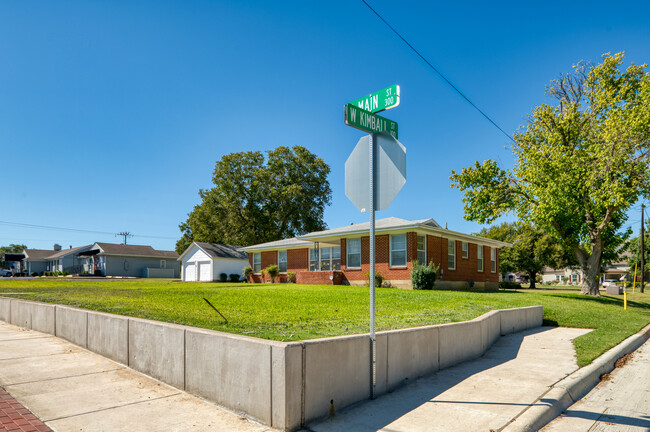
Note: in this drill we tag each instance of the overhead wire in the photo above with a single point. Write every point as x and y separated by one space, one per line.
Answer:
47 227
487 117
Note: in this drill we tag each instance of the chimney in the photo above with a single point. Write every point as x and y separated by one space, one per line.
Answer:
56 247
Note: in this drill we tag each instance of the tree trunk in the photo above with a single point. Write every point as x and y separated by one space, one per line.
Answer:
590 266
532 276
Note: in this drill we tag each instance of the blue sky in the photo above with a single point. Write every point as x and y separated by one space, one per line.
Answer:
113 114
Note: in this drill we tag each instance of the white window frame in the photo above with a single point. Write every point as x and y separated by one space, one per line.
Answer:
480 259
347 253
285 261
464 246
493 260
259 264
390 250
163 264
453 253
421 250
319 258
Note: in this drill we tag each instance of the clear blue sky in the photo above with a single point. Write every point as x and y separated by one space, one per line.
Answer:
113 114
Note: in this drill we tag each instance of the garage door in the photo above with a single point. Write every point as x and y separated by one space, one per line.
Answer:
204 271
189 272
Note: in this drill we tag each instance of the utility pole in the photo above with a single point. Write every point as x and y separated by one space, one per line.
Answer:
124 234
642 251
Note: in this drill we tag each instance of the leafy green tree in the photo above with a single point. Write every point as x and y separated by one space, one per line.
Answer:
12 248
579 165
257 199
532 249
634 257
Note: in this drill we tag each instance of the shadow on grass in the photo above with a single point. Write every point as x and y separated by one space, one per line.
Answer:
605 300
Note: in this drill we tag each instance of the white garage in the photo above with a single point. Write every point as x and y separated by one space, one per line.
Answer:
204 262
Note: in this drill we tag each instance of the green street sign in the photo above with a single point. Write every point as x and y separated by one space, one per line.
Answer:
369 122
379 101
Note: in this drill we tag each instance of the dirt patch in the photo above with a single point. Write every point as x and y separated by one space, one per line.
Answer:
619 363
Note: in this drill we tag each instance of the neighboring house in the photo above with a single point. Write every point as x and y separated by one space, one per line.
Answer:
57 259
341 255
109 259
574 276
204 262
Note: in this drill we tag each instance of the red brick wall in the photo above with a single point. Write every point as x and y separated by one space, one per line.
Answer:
466 268
297 260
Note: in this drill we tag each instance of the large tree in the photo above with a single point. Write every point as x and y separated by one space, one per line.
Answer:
579 164
257 199
532 249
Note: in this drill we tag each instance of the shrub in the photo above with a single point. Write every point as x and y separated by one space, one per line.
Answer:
223 277
291 277
65 273
248 271
234 277
272 271
423 277
34 274
509 285
379 278
98 272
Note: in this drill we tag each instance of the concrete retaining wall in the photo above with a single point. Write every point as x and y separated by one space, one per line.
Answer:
284 385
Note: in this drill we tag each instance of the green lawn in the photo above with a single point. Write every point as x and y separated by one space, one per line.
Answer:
289 312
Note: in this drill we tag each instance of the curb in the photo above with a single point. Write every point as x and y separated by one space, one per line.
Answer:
574 387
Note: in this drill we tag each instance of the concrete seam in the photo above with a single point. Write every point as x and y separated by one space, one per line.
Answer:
271 385
128 342
113 407
86 345
303 383
184 356
65 377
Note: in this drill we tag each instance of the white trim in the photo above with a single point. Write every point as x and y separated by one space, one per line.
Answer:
390 251
493 251
452 242
426 261
463 250
480 247
347 254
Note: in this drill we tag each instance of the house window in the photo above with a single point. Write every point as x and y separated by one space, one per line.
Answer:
257 262
163 264
493 260
354 253
398 250
325 259
422 250
126 265
465 250
479 258
282 261
336 258
313 260
558 278
451 255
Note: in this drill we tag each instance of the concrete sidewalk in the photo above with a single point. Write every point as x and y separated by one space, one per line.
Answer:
482 395
71 389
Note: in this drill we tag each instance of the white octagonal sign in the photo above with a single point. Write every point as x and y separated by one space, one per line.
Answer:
390 172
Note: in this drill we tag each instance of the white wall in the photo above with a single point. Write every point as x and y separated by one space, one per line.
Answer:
228 266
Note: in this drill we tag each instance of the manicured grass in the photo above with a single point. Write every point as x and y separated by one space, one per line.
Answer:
289 312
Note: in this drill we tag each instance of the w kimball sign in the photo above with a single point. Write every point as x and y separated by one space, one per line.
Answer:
369 122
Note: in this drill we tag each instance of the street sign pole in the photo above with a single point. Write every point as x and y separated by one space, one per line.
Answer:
373 346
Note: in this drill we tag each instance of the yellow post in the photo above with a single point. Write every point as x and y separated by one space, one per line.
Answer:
625 295
634 283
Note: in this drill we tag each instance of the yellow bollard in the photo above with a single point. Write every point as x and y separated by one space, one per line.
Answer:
625 296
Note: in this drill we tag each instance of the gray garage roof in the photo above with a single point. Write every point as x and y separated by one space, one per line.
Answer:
218 250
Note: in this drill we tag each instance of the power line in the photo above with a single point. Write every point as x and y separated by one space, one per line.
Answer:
47 227
439 73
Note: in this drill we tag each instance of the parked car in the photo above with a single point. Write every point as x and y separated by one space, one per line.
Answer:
610 282
5 273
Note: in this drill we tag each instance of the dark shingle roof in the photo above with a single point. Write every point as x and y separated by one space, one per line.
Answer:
218 250
36 254
135 250
63 252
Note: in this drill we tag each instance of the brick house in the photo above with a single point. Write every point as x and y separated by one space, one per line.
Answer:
341 255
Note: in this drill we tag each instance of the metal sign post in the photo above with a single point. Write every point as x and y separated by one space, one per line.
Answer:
373 342
386 170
